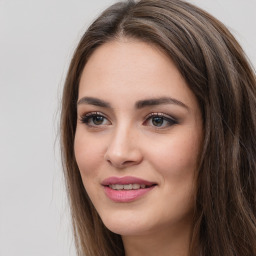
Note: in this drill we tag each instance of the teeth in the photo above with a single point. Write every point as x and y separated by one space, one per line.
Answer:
117 186
127 186
135 186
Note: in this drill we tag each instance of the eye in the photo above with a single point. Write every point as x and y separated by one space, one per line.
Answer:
159 120
94 119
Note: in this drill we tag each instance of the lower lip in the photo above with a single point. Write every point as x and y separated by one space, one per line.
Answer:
125 196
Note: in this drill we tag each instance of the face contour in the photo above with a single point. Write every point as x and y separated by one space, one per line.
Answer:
138 138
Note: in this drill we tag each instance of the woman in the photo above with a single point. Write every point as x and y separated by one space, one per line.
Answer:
159 135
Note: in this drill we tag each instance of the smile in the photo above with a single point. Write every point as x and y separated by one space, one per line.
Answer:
126 189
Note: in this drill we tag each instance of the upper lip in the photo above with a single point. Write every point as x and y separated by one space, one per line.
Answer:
126 180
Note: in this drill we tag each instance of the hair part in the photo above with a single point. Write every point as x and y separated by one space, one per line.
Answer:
218 73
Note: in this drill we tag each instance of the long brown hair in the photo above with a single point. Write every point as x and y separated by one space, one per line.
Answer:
218 73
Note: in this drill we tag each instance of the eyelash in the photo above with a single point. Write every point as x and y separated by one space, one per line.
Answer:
88 118
165 118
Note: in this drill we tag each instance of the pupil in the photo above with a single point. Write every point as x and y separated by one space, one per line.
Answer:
157 121
98 120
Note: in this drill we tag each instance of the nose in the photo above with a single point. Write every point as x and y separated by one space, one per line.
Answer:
123 149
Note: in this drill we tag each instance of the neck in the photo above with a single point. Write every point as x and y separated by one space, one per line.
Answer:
171 242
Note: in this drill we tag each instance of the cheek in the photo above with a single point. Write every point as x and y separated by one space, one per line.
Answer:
176 159
88 153
89 156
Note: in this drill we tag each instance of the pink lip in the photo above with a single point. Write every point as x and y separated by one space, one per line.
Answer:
125 196
126 180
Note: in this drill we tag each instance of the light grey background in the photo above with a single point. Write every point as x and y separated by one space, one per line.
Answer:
37 38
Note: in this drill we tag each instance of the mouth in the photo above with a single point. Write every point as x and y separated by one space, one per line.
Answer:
129 186
126 189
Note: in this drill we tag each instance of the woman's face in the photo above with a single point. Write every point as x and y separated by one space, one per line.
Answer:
138 137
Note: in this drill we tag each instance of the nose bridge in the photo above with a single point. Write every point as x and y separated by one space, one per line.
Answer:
123 149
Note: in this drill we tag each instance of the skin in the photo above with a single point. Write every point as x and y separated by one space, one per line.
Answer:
122 140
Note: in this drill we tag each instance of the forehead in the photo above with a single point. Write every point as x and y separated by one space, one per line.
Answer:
133 69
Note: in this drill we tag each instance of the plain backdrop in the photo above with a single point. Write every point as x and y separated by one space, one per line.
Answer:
37 39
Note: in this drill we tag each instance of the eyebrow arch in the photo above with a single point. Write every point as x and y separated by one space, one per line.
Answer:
159 101
139 104
94 101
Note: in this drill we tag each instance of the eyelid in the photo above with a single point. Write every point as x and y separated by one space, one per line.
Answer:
93 113
89 114
161 115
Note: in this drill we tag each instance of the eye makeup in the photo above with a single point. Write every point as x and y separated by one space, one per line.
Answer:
94 119
160 120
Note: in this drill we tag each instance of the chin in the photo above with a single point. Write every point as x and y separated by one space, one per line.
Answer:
127 230
125 226
143 223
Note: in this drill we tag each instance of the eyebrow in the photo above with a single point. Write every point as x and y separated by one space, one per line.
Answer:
94 101
159 101
139 104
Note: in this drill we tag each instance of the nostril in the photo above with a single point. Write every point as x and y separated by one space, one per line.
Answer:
120 164
123 157
127 162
